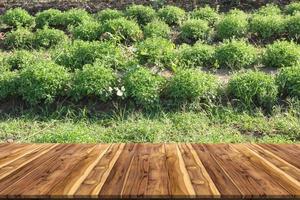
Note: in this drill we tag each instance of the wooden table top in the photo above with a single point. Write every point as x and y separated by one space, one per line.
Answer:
149 171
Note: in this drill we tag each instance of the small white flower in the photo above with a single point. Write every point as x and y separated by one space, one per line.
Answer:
119 93
110 89
123 88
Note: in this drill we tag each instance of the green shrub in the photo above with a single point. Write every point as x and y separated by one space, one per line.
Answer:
73 17
172 15
155 51
47 37
195 29
236 54
20 38
20 59
42 82
88 30
281 54
78 53
269 9
234 24
267 27
143 86
206 13
199 55
190 85
288 81
18 17
123 29
157 28
253 89
293 26
142 14
292 8
8 84
94 80
108 14
47 18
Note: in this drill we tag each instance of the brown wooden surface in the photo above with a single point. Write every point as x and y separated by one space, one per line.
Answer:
149 171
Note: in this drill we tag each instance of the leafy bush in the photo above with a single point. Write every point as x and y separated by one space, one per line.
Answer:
267 27
269 9
288 81
42 82
206 13
292 8
195 29
234 24
18 17
123 29
73 17
20 38
20 59
253 89
155 51
94 80
8 84
47 18
78 53
236 54
191 84
108 14
88 30
142 14
157 28
143 86
281 54
48 37
199 55
293 26
172 15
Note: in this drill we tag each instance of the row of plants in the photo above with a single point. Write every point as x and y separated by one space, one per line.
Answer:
138 22
45 81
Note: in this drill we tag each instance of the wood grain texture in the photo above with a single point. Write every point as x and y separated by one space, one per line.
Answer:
189 171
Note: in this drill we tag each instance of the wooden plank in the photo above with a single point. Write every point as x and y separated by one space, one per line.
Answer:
201 181
113 185
285 152
251 180
11 150
286 181
69 184
180 183
93 183
218 175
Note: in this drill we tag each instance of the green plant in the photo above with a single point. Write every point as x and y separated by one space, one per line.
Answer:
47 37
20 59
281 54
73 17
288 81
206 13
267 27
155 51
236 54
157 28
47 18
123 29
172 15
17 17
8 86
190 85
94 80
89 30
20 38
292 8
142 14
253 89
42 82
143 86
199 55
195 29
269 9
78 53
234 24
108 14
293 26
